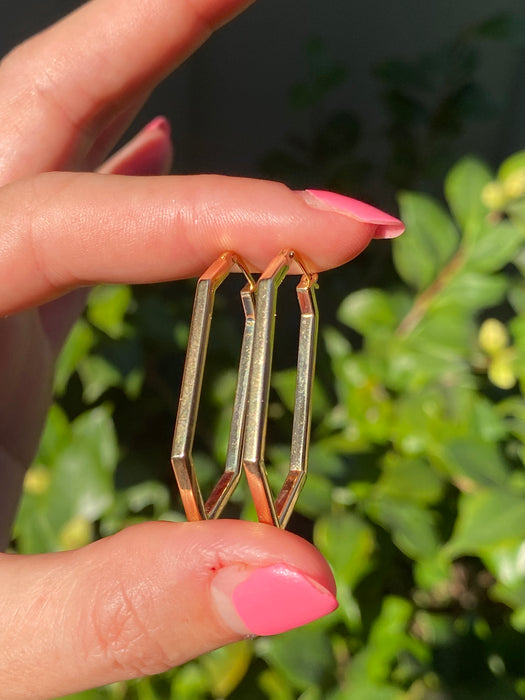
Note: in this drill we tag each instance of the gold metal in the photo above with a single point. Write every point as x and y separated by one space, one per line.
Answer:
186 421
259 389
250 412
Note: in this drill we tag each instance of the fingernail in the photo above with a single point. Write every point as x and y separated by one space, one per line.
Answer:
269 600
387 226
160 123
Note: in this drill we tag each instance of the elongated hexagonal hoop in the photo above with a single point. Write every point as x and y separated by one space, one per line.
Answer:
185 424
259 388
250 411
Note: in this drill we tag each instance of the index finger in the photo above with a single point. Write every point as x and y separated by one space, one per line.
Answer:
88 70
65 230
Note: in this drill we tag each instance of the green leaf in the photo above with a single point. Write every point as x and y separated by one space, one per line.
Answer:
512 164
327 462
463 187
359 688
97 376
516 212
517 298
316 496
348 543
88 462
275 685
79 459
437 629
518 620
32 530
512 595
388 636
487 518
226 667
507 562
284 382
412 527
304 656
478 461
369 674
367 310
434 574
496 246
443 332
76 348
512 411
517 329
472 291
312 693
429 242
190 683
410 479
144 689
57 432
485 420
107 307
147 493
437 347
337 346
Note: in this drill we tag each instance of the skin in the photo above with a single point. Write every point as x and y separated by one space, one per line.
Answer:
138 602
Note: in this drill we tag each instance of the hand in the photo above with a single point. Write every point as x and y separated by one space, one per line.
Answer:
158 594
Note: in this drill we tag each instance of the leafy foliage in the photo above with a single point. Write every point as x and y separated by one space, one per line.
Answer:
416 493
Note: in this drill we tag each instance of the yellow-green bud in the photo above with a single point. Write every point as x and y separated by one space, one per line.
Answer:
514 184
493 196
37 480
493 336
77 532
501 373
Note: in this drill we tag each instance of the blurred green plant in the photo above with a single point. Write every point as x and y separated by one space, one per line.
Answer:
417 487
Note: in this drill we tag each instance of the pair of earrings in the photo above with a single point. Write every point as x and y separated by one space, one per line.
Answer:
250 408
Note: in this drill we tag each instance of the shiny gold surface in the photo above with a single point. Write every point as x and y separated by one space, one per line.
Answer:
186 421
250 411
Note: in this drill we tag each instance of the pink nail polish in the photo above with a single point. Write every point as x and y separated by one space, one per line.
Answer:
387 226
160 123
278 598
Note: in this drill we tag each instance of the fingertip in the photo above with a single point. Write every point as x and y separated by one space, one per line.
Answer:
385 225
268 600
150 152
160 123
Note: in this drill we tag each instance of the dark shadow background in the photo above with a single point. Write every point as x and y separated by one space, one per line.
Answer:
229 104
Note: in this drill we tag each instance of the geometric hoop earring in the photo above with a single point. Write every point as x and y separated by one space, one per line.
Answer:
250 410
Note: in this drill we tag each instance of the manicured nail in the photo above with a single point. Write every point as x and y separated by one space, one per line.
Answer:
160 123
387 226
269 600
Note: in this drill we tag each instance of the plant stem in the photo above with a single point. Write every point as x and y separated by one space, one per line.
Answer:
423 300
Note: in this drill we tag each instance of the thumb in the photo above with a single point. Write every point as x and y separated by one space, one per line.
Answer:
149 598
